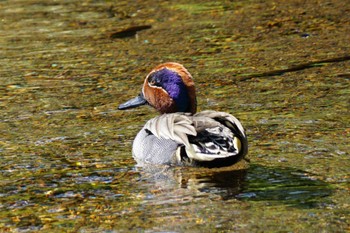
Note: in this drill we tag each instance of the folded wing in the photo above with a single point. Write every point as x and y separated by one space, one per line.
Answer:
205 137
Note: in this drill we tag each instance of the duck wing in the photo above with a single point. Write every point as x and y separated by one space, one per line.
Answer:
174 126
220 140
202 139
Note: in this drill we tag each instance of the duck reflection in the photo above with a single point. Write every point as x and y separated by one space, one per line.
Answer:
227 184
224 182
276 185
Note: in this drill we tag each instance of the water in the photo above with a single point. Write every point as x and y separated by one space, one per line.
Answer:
65 150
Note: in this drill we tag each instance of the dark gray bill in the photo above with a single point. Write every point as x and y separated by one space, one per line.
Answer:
133 103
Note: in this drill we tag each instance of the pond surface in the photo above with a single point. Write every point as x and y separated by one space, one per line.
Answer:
65 151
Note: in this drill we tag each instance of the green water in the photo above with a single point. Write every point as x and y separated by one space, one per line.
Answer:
65 151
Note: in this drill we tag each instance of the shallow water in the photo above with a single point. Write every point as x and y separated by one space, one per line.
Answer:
65 151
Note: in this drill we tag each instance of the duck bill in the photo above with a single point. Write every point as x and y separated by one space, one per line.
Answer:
133 103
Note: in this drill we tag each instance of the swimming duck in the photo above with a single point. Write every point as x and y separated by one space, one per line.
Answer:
180 136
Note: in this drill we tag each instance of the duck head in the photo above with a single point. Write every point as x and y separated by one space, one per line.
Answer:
168 88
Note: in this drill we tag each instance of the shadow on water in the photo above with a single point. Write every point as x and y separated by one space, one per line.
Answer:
284 186
275 185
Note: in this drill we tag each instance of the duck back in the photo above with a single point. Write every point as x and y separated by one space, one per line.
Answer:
208 138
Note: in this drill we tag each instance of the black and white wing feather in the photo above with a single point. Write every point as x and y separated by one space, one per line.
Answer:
201 138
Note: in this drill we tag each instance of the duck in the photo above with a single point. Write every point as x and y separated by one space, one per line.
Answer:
180 136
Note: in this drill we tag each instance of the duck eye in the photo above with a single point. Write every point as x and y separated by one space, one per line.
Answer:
153 80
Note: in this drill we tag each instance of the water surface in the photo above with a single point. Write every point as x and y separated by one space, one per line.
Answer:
65 151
